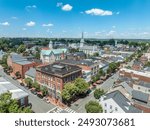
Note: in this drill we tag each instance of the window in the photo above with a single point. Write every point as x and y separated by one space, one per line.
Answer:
110 106
116 109
105 111
138 88
105 104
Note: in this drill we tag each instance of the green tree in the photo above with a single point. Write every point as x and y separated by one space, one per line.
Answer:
96 54
36 86
18 75
37 55
21 48
66 97
69 92
9 105
44 90
28 82
101 72
98 93
93 107
81 85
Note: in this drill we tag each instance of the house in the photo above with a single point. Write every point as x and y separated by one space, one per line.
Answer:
116 102
31 73
18 94
137 65
52 55
88 50
135 75
89 68
19 64
76 56
22 67
55 76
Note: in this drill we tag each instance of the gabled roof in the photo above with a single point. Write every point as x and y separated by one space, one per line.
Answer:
31 72
127 87
122 101
54 51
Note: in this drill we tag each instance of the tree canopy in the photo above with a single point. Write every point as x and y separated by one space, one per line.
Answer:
93 107
9 105
98 93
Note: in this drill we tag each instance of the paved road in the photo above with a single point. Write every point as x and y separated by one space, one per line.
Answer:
106 86
38 105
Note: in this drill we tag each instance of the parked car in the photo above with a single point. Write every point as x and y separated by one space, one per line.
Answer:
14 78
33 91
22 84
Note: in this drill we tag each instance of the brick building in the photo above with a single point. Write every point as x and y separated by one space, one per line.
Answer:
22 67
54 77
89 68
137 65
135 75
20 64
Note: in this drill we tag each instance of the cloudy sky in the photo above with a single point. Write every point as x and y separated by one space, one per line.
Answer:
68 18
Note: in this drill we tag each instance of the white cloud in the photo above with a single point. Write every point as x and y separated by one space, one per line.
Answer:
60 4
24 29
30 7
98 12
66 7
118 13
47 25
111 33
31 24
5 24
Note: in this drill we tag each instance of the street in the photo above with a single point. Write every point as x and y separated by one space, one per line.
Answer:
80 108
38 105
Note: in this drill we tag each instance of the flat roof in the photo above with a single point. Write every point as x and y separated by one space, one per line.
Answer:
6 86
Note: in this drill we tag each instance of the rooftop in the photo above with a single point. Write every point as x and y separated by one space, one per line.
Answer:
31 72
6 86
78 62
54 51
140 96
25 62
59 69
122 101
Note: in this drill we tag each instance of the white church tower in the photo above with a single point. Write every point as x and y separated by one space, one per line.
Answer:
82 40
50 45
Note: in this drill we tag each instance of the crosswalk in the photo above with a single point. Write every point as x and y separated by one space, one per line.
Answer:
60 110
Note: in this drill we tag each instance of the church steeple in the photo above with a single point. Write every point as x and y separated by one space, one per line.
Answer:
50 45
82 40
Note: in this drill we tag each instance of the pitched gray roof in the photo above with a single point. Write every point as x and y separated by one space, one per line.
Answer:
122 101
31 72
144 84
127 87
140 96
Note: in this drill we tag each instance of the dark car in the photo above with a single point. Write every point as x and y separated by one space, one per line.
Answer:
22 84
30 105
33 91
14 78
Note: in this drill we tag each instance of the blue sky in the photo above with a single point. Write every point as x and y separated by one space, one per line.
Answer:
68 18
